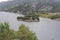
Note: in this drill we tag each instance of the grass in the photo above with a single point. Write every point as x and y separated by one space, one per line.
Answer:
51 16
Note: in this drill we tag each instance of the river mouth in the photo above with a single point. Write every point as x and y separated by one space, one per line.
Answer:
46 29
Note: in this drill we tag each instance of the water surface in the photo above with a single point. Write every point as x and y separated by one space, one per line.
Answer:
45 29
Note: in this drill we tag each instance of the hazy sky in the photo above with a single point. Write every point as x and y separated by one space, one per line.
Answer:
11 0
3 0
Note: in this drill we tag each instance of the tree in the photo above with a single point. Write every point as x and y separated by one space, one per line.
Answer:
25 34
5 32
22 34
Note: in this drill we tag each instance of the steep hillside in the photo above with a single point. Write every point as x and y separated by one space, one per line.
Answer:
11 4
34 5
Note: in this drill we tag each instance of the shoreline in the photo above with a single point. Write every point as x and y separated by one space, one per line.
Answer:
57 19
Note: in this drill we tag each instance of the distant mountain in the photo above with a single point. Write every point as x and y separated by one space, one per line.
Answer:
10 4
35 5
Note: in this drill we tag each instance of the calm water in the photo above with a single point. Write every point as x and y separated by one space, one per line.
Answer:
46 29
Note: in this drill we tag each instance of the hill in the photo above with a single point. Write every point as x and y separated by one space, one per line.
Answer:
31 5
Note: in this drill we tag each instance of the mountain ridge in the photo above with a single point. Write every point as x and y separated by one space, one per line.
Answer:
40 5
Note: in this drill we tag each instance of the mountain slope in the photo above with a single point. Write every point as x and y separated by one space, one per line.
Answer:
38 5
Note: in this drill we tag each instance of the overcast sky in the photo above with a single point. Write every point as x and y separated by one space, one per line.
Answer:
3 0
11 0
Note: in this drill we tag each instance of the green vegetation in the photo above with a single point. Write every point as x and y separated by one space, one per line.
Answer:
55 7
55 17
5 32
50 15
23 33
15 9
44 15
29 17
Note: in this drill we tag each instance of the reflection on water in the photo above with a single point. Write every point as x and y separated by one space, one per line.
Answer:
46 29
